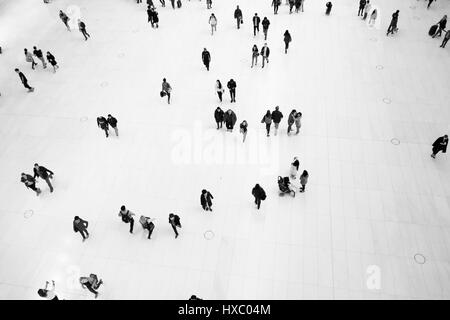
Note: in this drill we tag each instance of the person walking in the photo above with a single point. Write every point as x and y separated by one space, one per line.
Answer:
265 23
445 40
442 25
287 39
393 25
256 22
276 117
147 224
150 15
166 90
174 221
43 173
113 123
213 23
65 19
29 58
329 5
362 5
91 283
30 182
155 17
219 115
265 52
440 145
304 180
206 58
243 128
82 28
24 80
297 119
429 3
102 123
267 120
238 17
302 2
208 4
52 61
298 3
291 120
172 2
163 3
291 6
206 200
255 54
230 119
219 89
80 225
38 53
231 85
127 217
373 17
294 168
259 194
276 5
367 8
47 293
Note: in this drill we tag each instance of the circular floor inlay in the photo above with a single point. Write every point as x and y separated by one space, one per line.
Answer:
395 141
387 100
379 67
104 84
83 119
420 258
28 214
208 235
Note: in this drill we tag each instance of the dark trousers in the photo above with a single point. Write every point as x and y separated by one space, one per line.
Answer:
206 63
286 46
302 189
229 125
275 9
219 93
168 97
291 6
289 127
85 34
233 95
391 29
32 187
436 150
219 123
429 3
25 84
173 3
49 183
174 227
83 232
444 42
150 230
255 28
265 33
238 20
105 128
360 11
163 2
268 128
258 202
131 222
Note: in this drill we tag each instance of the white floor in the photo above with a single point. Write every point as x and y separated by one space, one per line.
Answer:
369 208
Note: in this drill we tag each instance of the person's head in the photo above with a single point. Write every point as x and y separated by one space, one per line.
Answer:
256 14
398 11
445 17
305 173
36 165
446 137
204 191
299 114
265 44
76 218
237 7
277 108
171 215
204 49
268 113
23 174
293 111
16 70
34 47
109 116
25 50
244 122
42 293
218 81
164 80
219 109
257 186
122 208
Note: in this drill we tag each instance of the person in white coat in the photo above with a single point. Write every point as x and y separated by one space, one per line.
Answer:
213 23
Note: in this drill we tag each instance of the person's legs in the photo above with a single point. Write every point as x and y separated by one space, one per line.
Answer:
289 128
258 202
254 30
219 93
82 234
286 46
25 84
276 127
150 231
106 131
265 34
238 23
49 184
244 136
175 230
298 130
168 97
444 43
89 287
131 225
268 128
116 130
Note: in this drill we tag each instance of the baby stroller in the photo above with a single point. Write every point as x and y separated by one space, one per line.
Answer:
283 184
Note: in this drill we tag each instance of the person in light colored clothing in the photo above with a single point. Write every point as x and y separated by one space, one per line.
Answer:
213 23
47 293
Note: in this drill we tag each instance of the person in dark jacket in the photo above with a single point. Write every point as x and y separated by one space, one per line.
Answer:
91 283
113 123
287 39
265 52
259 195
103 124
291 120
127 217
393 25
38 53
208 4
65 19
166 90
445 40
298 3
150 16
276 5
80 225
43 173
154 17
440 145
219 115
265 23
256 22
243 128
206 200
173 4
24 80
362 4
52 61
174 221
30 182
276 117
147 224
206 58
231 85
82 28
442 25
238 17
304 180
291 5
329 5
230 119
267 120
255 54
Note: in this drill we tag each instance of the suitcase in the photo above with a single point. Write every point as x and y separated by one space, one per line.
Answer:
433 30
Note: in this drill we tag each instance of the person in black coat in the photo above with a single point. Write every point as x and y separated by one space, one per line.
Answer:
393 25
65 19
265 52
52 61
155 17
206 200
24 80
276 117
43 173
442 25
113 123
80 225
231 85
440 145
218 115
127 217
102 123
329 5
276 5
265 23
259 194
238 17
174 221
38 53
362 4
291 5
150 15
206 58
429 3
230 119
256 22
82 28
30 182
287 39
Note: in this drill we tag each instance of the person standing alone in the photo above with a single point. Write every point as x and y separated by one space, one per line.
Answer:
127 217
206 58
267 120
393 25
362 4
265 52
265 23
166 90
231 85
82 28
276 117
287 39
256 22
24 80
80 225
113 123
259 195
206 200
238 17
440 145
174 221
